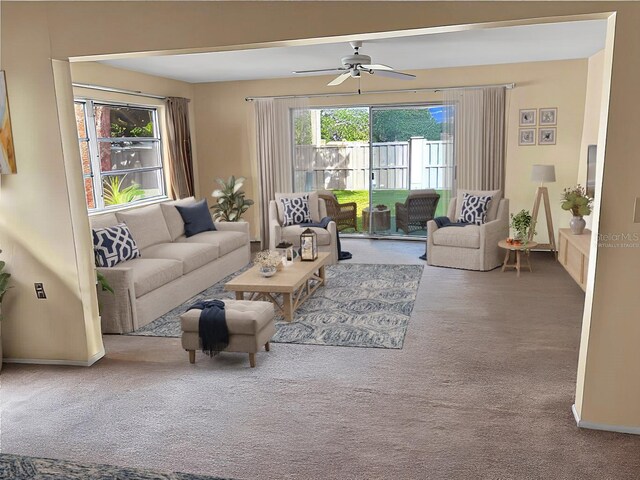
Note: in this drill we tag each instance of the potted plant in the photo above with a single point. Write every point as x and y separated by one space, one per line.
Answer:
577 201
231 202
4 286
269 261
523 227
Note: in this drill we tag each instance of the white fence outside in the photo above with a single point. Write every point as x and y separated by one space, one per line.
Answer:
415 164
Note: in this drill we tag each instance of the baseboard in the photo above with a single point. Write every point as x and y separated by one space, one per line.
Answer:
602 426
44 361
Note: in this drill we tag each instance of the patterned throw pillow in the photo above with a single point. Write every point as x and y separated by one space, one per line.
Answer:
113 245
474 208
296 210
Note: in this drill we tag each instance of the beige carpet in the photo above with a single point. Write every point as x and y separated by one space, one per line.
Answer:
482 389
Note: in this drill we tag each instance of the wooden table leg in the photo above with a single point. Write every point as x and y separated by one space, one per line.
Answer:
529 260
322 274
287 307
192 356
506 260
239 295
518 261
267 346
252 360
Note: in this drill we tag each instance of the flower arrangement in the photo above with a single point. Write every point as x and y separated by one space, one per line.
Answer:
268 259
231 202
522 225
577 201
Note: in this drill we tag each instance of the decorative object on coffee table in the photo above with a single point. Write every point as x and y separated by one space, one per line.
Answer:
308 245
268 262
544 174
576 200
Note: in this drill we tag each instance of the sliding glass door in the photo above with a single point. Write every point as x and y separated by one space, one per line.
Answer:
384 170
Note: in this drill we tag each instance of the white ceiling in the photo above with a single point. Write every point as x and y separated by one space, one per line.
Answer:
530 43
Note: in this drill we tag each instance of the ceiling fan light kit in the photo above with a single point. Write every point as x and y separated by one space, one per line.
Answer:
354 65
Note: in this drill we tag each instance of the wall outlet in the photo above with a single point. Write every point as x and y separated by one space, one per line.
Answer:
40 290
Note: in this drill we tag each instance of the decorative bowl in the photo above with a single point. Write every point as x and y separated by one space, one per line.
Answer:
268 271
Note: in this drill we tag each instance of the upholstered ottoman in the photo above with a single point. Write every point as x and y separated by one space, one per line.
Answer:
250 327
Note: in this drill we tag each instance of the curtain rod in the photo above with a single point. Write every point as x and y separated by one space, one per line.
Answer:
117 90
508 86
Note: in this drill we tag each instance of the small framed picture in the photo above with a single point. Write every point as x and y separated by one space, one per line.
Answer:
548 116
527 136
528 117
546 136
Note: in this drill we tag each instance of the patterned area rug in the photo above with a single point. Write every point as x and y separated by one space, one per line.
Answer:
18 467
360 306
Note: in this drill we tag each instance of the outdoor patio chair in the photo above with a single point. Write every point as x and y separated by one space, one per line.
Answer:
419 207
344 214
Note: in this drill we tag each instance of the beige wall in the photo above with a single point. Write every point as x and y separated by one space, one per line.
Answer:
39 231
226 126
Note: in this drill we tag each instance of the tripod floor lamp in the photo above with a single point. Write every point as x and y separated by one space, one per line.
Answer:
544 174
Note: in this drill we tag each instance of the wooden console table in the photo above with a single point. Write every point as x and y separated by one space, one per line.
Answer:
573 254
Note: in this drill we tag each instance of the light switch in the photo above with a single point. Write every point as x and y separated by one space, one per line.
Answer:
636 211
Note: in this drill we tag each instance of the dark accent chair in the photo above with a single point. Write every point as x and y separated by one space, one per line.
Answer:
419 207
344 214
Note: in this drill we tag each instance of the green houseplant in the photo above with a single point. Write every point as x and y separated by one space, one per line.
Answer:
576 200
231 203
115 194
522 225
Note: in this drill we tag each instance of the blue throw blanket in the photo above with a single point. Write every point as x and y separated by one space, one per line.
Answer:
446 222
324 223
214 333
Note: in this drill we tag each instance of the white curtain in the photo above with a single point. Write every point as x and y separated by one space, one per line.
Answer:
477 131
274 149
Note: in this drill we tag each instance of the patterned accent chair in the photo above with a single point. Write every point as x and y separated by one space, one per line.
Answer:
472 247
327 237
344 214
419 207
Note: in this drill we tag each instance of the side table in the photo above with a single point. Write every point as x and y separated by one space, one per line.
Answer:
381 219
518 250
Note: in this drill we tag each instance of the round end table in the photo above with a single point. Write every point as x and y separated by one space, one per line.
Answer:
518 249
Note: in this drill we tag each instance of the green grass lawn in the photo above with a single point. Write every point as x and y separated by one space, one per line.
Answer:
380 197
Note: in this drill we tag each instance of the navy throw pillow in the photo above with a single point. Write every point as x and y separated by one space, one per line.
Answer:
197 218
474 208
113 245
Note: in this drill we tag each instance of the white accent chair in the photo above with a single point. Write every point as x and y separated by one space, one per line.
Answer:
472 247
327 238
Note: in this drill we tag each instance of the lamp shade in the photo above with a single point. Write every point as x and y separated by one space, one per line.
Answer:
543 173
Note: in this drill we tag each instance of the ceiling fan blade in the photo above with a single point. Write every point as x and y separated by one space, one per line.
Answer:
339 79
376 66
394 74
320 71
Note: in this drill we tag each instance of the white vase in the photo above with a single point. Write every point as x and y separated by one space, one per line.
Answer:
577 225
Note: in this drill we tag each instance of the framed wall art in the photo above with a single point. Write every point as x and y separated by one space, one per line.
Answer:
528 117
546 136
548 116
7 153
527 136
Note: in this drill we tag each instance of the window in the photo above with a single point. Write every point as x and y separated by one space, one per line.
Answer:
121 153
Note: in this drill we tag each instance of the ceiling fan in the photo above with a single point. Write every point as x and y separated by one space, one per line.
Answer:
354 65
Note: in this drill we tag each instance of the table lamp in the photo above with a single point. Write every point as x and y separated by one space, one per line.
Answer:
544 174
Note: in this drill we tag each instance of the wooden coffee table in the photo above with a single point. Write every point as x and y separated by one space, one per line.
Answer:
518 249
293 283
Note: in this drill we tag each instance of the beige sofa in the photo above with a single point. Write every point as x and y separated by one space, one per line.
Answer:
473 247
171 268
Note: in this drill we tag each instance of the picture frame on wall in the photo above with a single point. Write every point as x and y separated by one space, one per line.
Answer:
548 116
546 136
7 153
527 136
527 117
